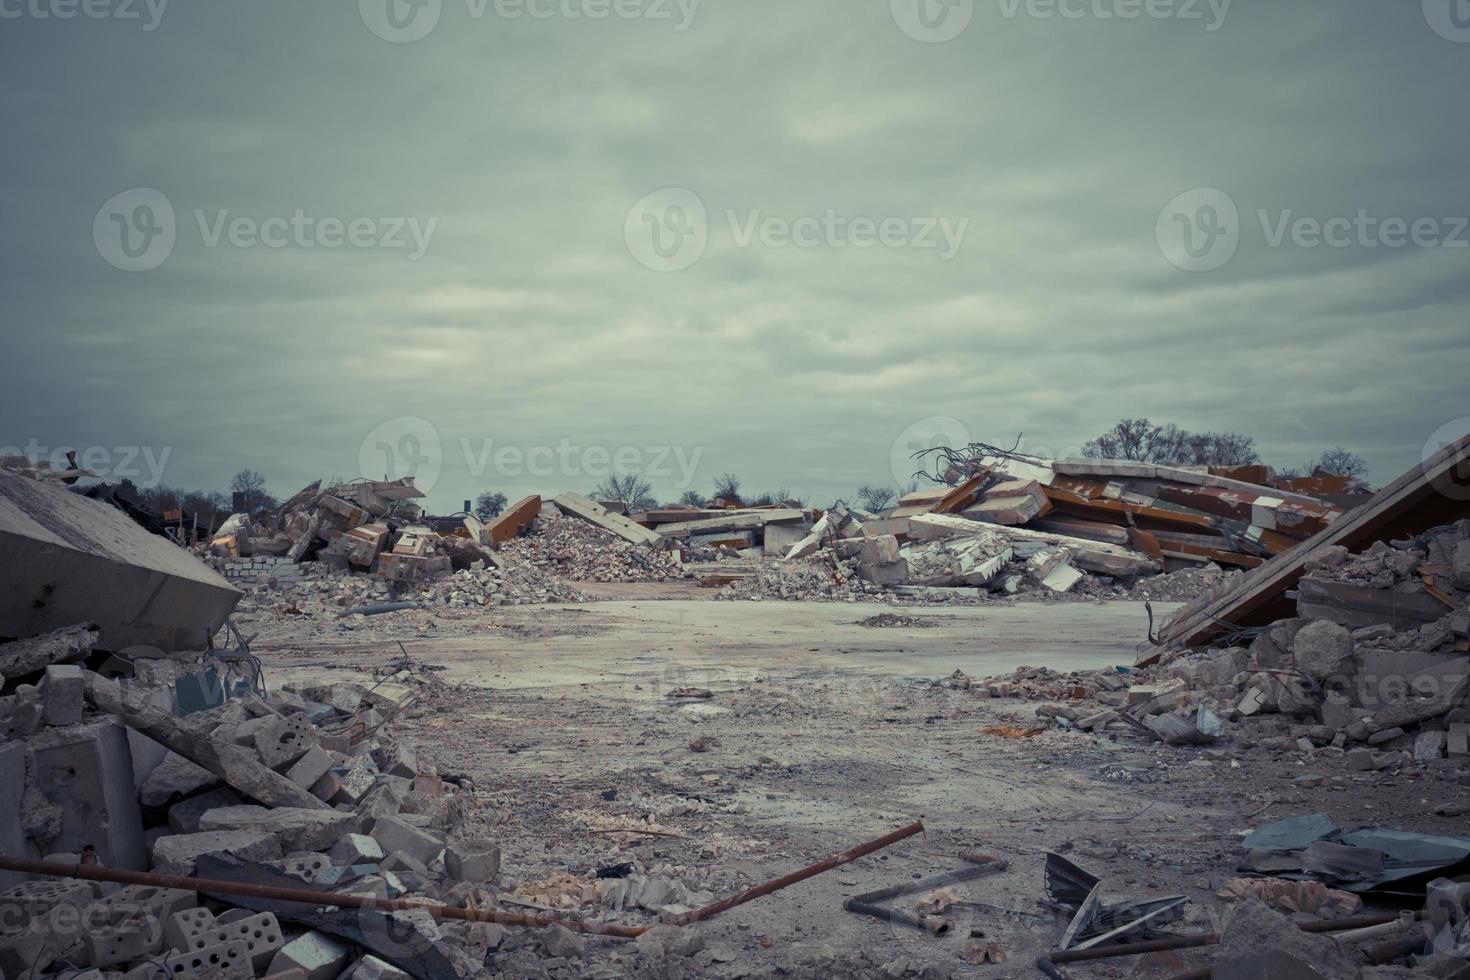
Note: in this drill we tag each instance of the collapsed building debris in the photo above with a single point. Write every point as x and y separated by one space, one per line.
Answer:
71 560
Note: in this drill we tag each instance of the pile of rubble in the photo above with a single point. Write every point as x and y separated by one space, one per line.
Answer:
305 788
570 548
1358 673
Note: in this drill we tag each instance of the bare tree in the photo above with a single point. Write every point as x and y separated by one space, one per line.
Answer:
1146 442
727 486
630 488
489 505
873 499
692 498
250 484
1342 462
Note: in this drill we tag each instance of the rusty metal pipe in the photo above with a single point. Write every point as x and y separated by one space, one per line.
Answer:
932 882
810 871
303 896
933 924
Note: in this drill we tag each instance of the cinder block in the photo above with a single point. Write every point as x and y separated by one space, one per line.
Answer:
396 834
310 767
316 953
307 867
260 934
283 740
230 961
356 849
475 860
181 927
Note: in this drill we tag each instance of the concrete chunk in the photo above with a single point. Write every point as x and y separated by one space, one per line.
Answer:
477 861
62 646
310 768
61 695
176 854
259 934
73 560
295 829
356 849
229 961
396 834
86 771
318 955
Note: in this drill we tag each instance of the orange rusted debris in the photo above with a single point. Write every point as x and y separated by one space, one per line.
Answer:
512 521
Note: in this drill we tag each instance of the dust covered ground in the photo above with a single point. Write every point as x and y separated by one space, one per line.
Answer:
825 727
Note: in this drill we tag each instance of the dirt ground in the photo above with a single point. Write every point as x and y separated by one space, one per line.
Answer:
822 733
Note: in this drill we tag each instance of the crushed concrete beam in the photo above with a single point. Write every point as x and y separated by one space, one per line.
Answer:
69 560
579 506
64 646
234 764
745 521
1092 556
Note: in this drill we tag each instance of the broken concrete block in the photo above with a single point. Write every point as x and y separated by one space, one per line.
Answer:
318 955
283 740
1320 648
475 860
12 833
372 968
176 854
230 961
295 829
182 926
397 759
73 560
396 834
1457 742
1429 746
260 934
86 772
174 777
61 695
310 768
1258 942
307 867
19 717
326 787
356 849
183 817
401 861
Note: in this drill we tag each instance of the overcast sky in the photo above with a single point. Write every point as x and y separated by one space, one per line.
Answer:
510 241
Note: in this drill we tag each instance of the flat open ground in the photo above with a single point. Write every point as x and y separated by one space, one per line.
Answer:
829 733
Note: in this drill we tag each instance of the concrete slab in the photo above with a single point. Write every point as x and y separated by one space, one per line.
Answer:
69 560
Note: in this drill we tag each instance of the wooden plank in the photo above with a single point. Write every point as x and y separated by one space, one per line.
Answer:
512 521
1158 471
594 513
1433 493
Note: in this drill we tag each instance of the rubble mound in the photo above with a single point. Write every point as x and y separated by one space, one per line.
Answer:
568 548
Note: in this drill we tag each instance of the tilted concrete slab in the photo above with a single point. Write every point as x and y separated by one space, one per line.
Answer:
65 559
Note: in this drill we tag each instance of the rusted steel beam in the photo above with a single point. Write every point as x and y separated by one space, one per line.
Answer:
303 896
810 871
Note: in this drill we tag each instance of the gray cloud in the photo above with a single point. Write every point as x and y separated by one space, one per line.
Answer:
528 321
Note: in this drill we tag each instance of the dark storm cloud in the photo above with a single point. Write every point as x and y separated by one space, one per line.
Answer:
529 321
